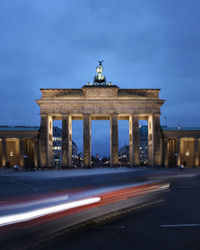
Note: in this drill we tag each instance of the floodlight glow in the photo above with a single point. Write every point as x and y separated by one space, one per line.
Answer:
187 153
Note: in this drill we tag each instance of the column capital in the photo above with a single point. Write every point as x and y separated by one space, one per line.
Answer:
43 114
134 114
114 114
86 114
65 115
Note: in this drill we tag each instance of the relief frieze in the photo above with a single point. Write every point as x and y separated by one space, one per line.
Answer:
96 108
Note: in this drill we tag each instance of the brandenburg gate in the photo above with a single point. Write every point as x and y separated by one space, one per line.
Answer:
100 100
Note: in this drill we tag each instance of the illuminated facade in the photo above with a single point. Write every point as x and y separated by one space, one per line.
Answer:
19 145
180 145
100 100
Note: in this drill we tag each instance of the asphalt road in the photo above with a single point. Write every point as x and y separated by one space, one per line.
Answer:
19 191
174 224
15 184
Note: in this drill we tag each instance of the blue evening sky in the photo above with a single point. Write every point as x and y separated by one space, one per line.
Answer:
56 44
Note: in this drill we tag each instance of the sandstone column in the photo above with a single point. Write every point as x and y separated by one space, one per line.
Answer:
157 135
4 152
165 152
178 155
154 148
22 149
134 141
50 140
114 147
66 141
46 140
43 140
151 140
196 152
87 139
35 152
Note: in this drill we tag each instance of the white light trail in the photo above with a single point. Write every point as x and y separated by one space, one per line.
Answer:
21 217
166 186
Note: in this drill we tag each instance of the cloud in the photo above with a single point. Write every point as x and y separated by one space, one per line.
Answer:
56 44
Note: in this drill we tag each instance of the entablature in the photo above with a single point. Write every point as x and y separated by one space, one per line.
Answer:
105 116
19 135
98 92
181 134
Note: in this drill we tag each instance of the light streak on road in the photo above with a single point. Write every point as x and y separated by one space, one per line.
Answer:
164 186
21 217
54 207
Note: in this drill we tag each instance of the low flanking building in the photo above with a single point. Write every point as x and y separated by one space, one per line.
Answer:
180 145
19 145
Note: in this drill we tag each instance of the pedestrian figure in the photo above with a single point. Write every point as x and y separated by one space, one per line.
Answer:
181 166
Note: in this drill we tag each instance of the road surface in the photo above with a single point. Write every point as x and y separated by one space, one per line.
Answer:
172 225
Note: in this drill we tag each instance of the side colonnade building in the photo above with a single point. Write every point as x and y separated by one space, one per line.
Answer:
19 145
180 145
